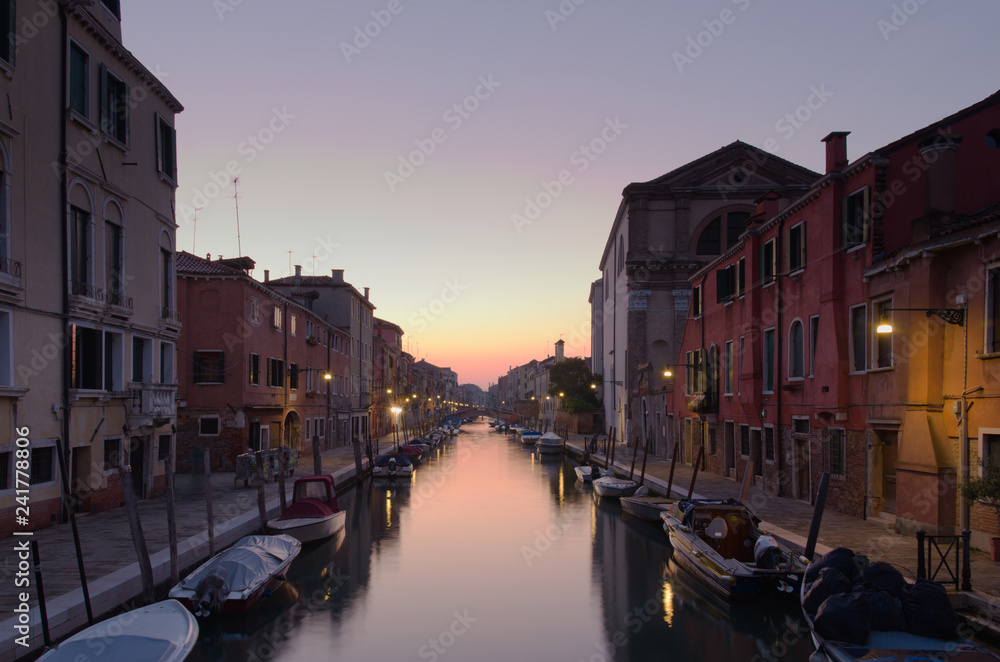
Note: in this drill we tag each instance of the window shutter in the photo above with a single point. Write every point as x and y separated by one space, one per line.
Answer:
845 238
105 108
802 244
787 248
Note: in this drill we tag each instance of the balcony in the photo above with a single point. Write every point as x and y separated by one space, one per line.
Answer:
10 278
152 405
95 298
10 267
170 316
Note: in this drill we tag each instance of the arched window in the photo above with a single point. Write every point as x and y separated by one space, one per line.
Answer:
709 243
796 350
81 239
711 240
114 252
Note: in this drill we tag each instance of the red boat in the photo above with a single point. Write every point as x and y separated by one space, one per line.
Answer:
314 514
411 452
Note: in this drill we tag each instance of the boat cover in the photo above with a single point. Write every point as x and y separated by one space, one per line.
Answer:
251 560
551 436
401 460
123 648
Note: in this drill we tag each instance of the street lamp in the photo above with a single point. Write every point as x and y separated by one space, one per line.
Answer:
957 317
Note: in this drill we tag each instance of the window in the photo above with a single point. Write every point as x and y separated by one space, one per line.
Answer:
725 284
307 428
291 324
293 376
736 223
710 240
767 265
8 26
745 440
310 379
796 351
209 367
275 316
114 361
87 347
166 363
854 226
275 373
813 339
142 360
741 276
769 443
114 106
6 350
882 342
79 79
42 462
993 310
208 426
859 339
768 363
81 251
114 284
795 248
800 425
739 374
113 7
166 149
253 365
696 301
112 454
688 373
254 436
321 428
712 371
167 280
990 449
163 447
728 367
838 451
254 310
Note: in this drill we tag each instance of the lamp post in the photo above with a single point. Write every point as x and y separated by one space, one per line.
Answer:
956 316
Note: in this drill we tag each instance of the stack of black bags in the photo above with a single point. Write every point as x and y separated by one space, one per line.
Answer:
850 597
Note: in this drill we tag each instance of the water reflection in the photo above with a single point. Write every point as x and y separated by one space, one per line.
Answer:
493 552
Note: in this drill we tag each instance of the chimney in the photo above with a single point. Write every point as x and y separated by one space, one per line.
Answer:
298 271
366 293
337 275
836 151
560 351
208 256
267 275
767 207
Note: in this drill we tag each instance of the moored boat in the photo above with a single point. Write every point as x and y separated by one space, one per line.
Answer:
161 632
718 541
392 465
587 473
233 581
646 506
313 514
610 486
411 452
529 437
550 443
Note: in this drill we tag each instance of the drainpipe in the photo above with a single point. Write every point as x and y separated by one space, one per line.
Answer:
779 250
286 430
64 203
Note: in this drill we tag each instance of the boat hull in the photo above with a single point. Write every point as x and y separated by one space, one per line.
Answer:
309 529
550 449
614 488
646 508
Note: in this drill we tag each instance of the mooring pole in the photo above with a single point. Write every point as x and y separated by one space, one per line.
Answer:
36 560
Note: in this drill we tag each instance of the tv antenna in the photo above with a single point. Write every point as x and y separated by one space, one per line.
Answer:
236 198
194 236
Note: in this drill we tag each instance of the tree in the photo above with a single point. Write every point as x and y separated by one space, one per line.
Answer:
573 378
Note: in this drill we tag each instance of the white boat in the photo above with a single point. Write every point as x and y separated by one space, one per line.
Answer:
550 443
613 487
314 513
392 465
587 473
529 437
646 506
161 632
233 581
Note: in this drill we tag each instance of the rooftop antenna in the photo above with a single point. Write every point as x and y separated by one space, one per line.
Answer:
314 263
194 237
236 197
289 262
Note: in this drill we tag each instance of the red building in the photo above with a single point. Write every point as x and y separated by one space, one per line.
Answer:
781 363
252 365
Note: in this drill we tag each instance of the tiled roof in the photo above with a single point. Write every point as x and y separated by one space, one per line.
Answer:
192 264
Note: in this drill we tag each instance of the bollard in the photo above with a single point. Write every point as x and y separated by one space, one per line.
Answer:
966 561
921 564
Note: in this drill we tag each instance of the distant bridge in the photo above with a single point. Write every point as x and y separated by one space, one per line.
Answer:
491 412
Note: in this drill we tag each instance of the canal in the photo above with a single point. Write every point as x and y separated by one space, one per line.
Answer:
493 552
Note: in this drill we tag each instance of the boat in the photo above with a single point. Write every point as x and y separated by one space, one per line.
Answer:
314 514
550 443
646 506
161 632
895 646
611 486
411 452
392 465
529 437
718 541
233 581
587 473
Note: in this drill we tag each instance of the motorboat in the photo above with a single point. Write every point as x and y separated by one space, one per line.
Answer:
550 443
646 506
587 473
161 632
610 486
718 541
235 580
411 452
314 514
392 465
529 437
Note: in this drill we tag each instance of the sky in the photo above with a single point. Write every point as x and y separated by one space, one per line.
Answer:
465 160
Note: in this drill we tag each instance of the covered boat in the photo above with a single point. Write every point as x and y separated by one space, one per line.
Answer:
392 465
233 581
161 632
587 473
610 486
529 437
314 513
646 506
550 443
717 540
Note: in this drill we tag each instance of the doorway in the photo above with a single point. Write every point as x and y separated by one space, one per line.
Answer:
888 445
802 483
729 447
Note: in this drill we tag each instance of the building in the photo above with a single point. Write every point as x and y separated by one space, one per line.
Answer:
253 366
781 362
664 231
339 303
387 375
88 327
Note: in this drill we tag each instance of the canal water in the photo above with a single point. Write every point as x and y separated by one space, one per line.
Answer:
493 552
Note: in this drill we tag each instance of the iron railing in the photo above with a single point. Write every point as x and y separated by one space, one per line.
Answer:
960 573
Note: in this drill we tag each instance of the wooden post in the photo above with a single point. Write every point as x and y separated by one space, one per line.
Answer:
261 504
168 469
317 460
76 533
37 562
673 463
697 464
281 475
145 568
358 471
635 453
645 453
747 477
208 502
